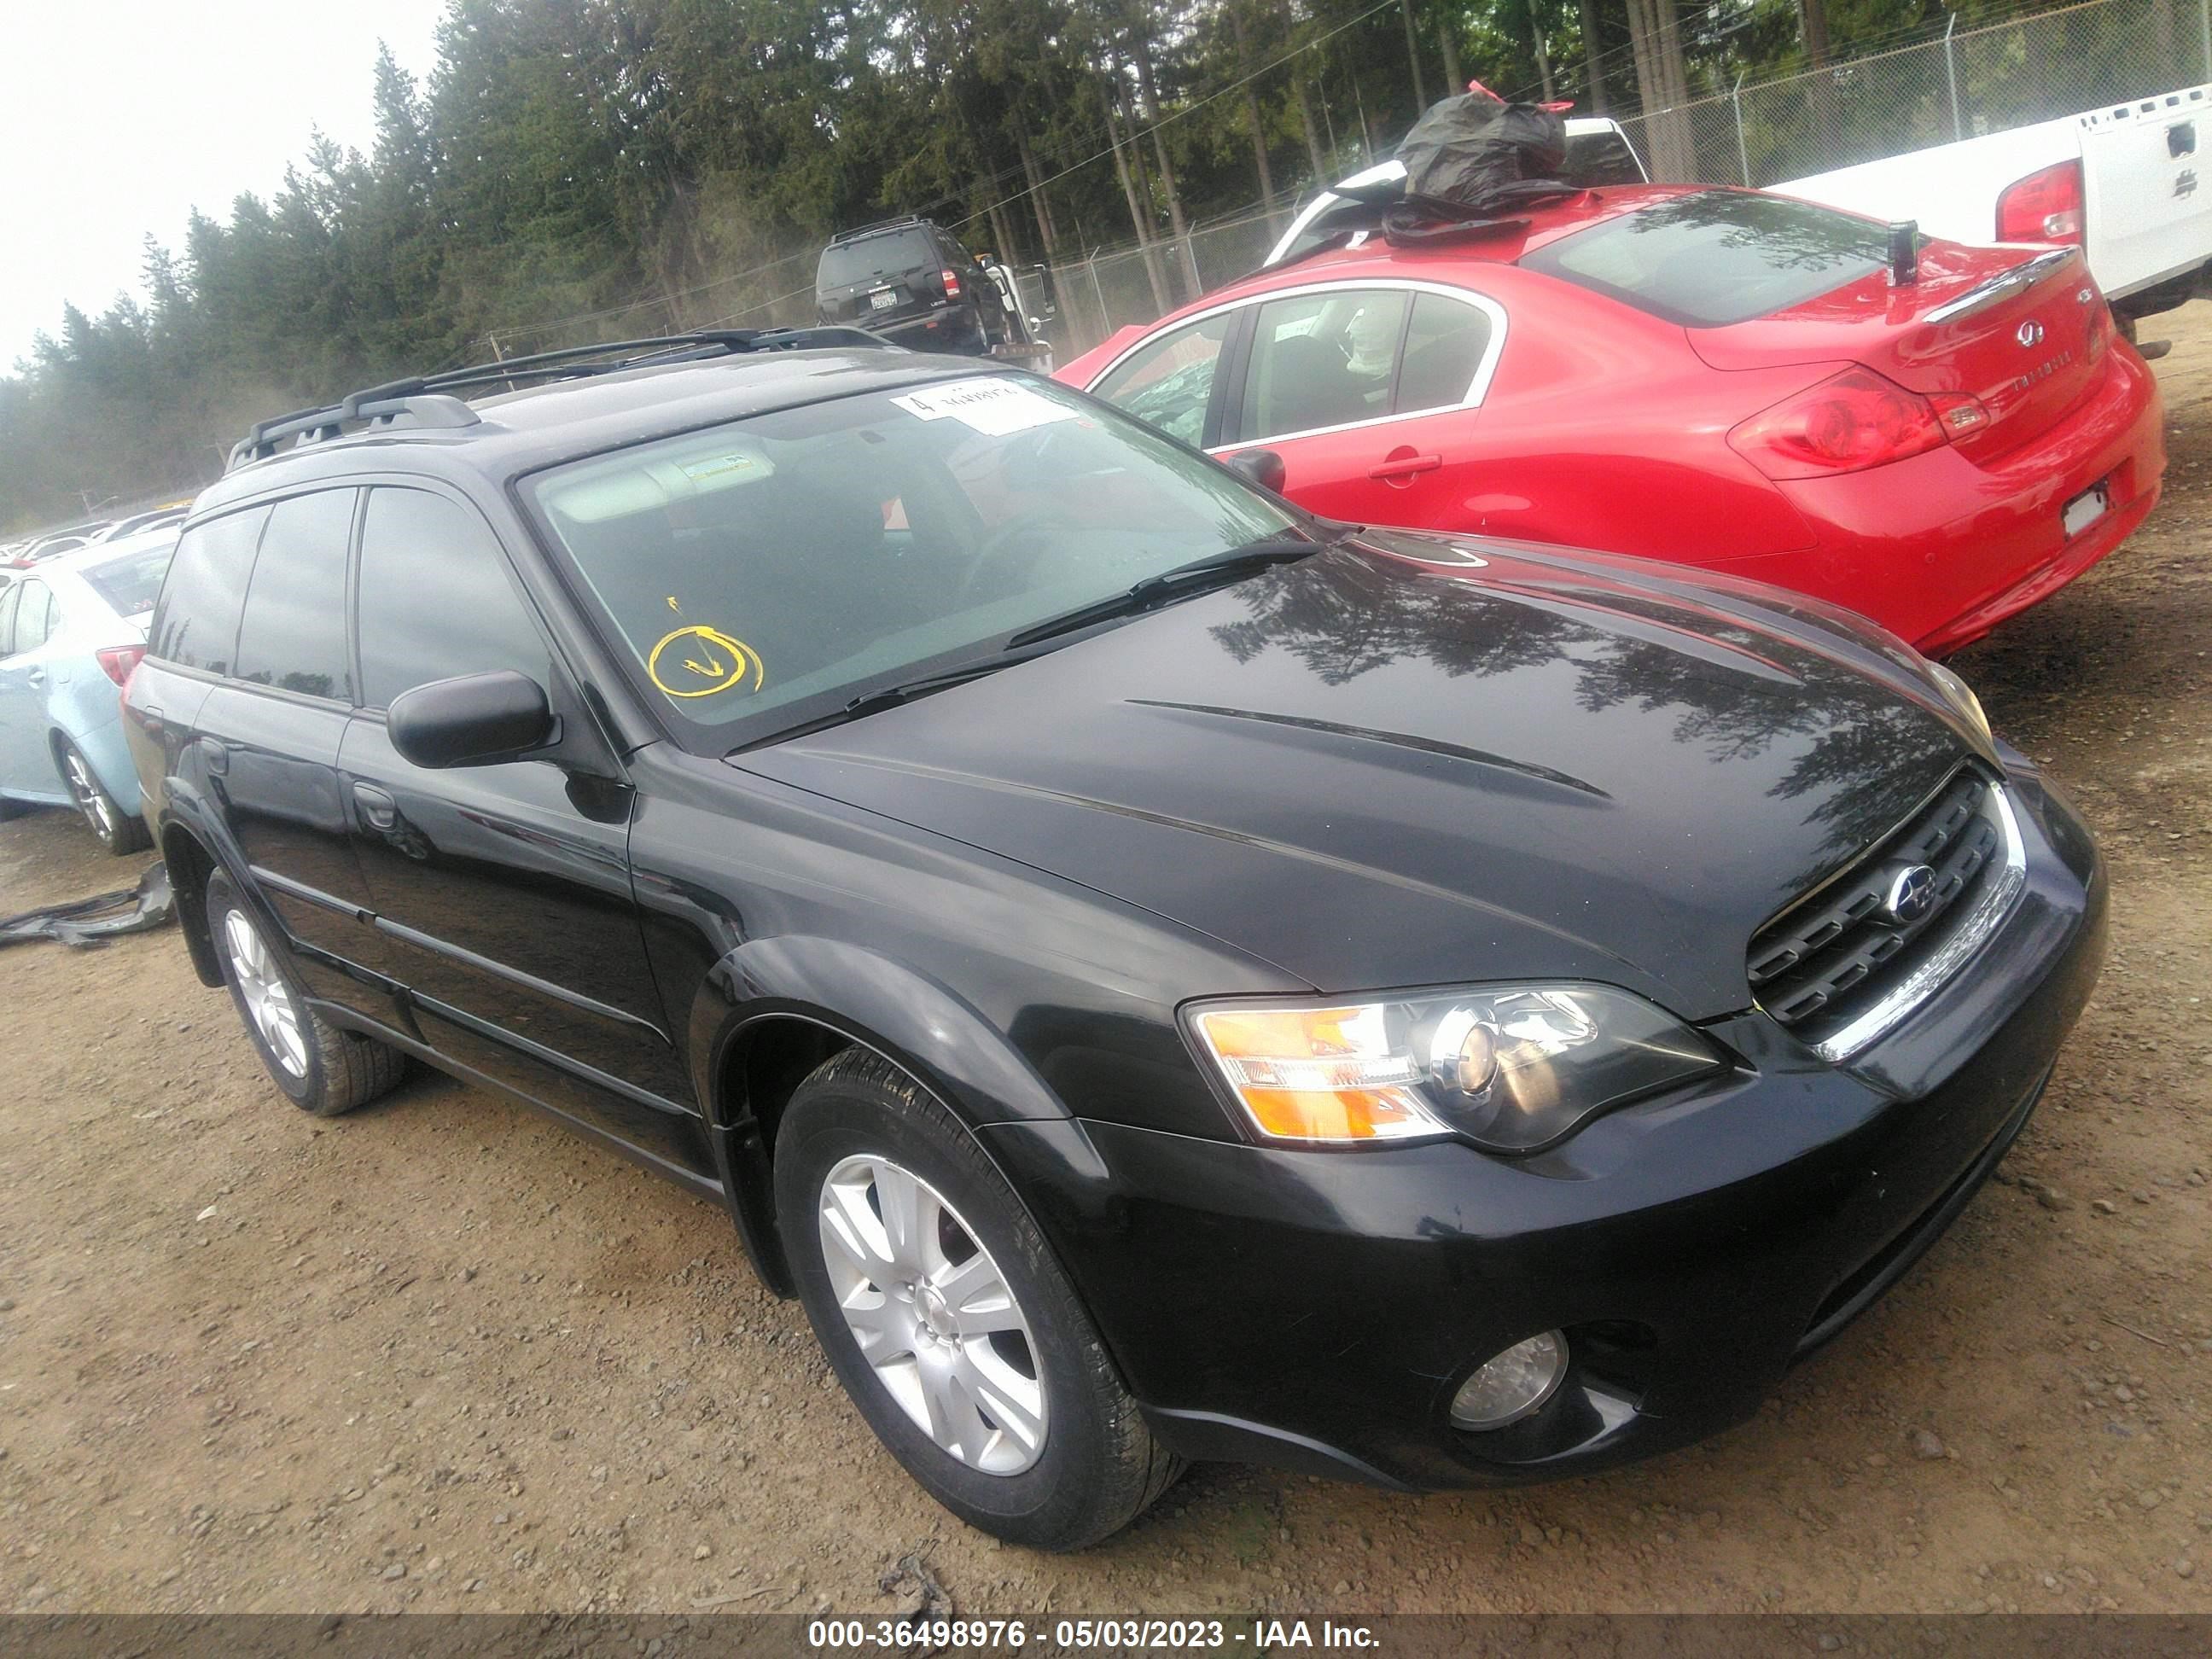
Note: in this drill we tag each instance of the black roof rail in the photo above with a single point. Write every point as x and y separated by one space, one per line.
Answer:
880 224
425 402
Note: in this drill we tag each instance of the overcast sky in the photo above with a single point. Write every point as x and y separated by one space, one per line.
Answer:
119 116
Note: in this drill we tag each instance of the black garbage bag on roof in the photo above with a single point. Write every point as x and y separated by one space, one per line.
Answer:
1474 150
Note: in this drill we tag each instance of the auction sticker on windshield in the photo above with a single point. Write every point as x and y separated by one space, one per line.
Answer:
997 408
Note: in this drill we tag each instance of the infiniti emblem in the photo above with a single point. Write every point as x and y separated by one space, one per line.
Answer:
1910 896
2029 333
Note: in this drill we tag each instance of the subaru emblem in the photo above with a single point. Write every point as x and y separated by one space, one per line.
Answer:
1910 896
2030 333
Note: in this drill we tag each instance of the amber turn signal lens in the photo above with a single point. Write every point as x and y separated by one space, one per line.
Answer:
1325 1074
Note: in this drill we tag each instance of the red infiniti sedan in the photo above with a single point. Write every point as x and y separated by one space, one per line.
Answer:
1719 378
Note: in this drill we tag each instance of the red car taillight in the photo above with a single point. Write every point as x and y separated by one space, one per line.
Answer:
1848 422
951 281
117 660
2044 207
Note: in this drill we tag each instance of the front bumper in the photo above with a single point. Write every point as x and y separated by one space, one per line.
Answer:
1317 1309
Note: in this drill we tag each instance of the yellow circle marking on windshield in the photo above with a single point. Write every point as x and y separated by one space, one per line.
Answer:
724 663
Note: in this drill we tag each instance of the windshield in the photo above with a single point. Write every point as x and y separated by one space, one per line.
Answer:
893 253
1718 257
761 575
132 582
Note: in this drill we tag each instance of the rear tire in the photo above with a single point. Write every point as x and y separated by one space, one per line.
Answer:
116 829
982 1373
321 1070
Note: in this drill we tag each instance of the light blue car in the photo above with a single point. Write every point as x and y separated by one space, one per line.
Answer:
72 629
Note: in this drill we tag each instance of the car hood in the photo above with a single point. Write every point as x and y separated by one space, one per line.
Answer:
1420 762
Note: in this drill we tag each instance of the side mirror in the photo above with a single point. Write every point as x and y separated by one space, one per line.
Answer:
477 719
1049 300
1262 466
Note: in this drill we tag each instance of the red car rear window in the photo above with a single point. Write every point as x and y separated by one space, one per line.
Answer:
1717 256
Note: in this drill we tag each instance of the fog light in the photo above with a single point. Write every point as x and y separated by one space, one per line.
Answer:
1510 1385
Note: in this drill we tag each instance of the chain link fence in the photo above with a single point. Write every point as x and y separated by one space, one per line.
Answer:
1959 85
1108 290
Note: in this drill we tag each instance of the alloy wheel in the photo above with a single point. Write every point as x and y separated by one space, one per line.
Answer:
933 1315
91 800
268 1000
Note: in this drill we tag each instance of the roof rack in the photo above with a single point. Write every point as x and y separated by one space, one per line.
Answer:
425 402
880 224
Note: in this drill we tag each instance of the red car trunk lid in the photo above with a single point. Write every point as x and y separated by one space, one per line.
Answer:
2021 331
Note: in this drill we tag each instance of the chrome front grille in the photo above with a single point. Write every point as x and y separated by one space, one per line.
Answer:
1849 959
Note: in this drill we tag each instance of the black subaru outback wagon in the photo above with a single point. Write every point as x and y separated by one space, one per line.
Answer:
1159 975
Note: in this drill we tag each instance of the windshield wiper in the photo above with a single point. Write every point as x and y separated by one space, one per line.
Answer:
890 696
1229 563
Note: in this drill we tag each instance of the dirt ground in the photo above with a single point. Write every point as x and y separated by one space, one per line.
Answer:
441 1355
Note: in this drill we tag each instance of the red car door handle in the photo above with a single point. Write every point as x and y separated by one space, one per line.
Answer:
1404 464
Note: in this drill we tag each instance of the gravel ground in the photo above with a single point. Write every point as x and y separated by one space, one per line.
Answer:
440 1355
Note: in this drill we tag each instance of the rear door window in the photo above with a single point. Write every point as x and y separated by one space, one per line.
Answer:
9 597
436 599
1717 256
1321 359
196 623
293 635
1169 381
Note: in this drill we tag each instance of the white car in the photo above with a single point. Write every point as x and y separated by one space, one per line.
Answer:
2120 181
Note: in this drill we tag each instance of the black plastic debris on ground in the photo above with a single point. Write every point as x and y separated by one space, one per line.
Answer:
86 923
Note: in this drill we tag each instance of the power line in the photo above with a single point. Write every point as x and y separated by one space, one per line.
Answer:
1135 136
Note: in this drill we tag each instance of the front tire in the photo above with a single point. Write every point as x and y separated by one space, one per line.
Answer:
321 1070
116 830
946 1318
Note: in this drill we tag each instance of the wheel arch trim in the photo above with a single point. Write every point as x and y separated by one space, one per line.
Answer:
860 999
186 815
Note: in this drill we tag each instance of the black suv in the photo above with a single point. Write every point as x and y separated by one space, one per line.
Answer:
912 282
1159 975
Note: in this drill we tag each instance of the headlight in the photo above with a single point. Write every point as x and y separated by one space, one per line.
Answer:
1962 698
1513 1068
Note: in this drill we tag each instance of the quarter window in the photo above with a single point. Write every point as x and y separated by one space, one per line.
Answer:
293 634
1170 381
1321 359
195 625
436 599
35 618
10 597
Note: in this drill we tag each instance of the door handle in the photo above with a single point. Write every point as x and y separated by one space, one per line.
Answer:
1400 465
377 809
36 677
